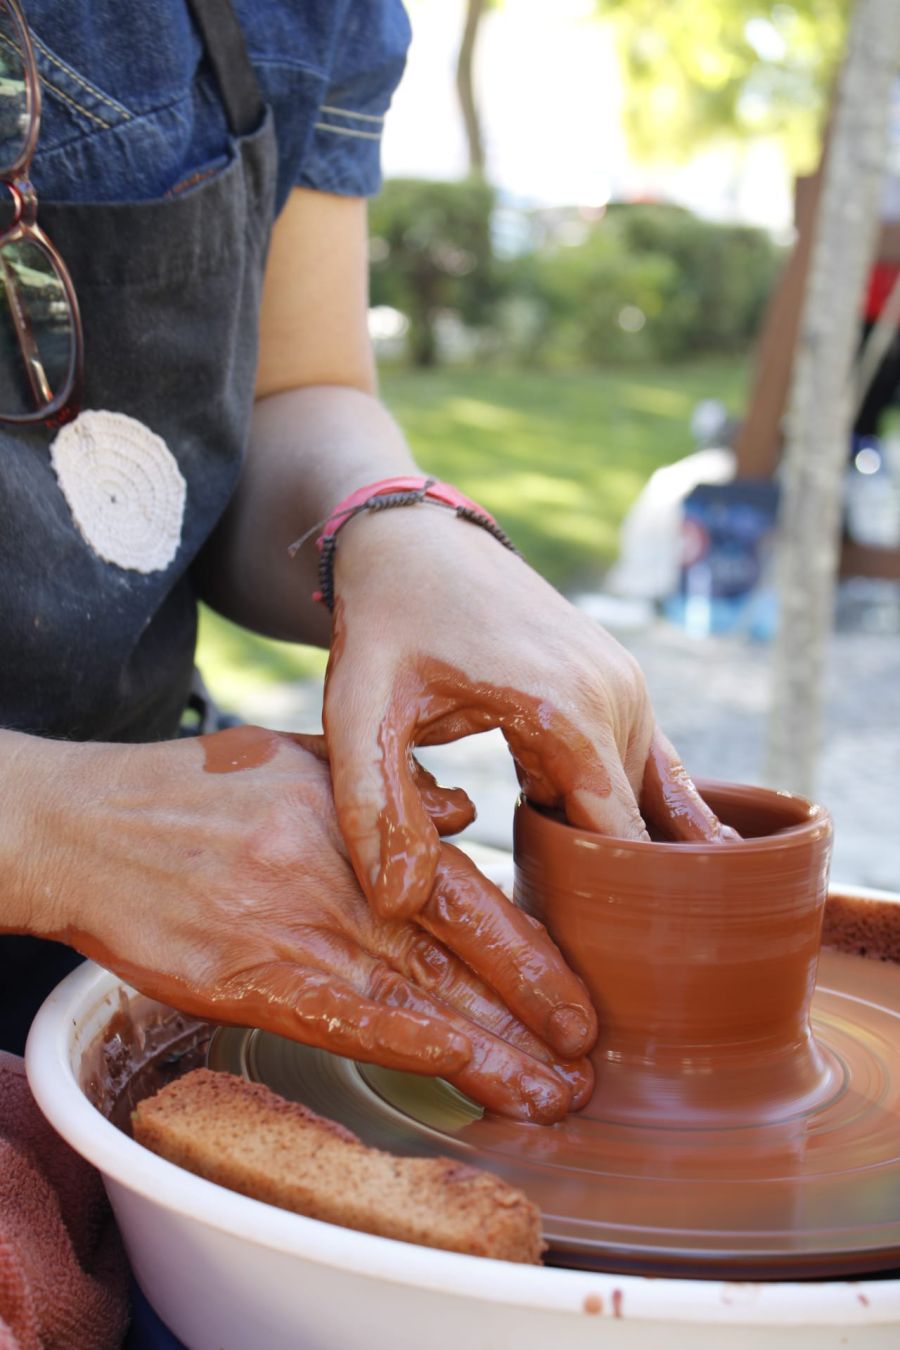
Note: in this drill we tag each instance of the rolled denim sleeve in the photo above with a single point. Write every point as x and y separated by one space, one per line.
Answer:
367 63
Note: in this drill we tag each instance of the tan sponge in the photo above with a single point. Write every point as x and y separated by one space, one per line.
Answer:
865 925
243 1136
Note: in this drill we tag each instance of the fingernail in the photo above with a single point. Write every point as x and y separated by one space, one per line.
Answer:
545 1102
403 880
569 1031
579 1078
398 892
457 1053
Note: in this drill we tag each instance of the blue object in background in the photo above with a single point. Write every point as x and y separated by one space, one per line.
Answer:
726 575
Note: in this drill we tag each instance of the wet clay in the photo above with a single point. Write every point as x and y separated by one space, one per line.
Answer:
143 1046
236 748
786 1199
814 1195
739 1125
700 961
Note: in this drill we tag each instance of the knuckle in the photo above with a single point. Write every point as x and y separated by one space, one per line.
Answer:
450 906
269 847
388 987
427 963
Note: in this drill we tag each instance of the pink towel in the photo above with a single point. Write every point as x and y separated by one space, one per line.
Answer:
63 1275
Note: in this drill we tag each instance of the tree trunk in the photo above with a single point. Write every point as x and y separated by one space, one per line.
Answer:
421 340
466 88
820 412
757 446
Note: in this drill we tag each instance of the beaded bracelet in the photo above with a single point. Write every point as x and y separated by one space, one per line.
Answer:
381 496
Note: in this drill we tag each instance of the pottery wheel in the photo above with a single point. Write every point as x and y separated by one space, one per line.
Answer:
817 1194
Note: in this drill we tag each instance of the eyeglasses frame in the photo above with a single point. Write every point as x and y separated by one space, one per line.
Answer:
65 405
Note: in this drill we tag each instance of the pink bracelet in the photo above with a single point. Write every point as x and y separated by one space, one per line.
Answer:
380 496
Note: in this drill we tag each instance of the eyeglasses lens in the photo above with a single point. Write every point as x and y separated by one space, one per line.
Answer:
15 114
37 333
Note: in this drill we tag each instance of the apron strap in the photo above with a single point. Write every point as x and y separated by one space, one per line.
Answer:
227 52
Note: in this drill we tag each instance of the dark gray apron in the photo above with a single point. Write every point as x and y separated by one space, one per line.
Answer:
169 292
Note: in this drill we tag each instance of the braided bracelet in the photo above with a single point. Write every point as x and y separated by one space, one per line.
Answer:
380 496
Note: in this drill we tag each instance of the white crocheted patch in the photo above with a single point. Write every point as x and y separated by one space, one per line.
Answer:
124 489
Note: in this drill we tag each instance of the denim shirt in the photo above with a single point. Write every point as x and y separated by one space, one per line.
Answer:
131 110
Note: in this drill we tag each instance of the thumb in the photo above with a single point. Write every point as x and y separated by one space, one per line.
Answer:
392 842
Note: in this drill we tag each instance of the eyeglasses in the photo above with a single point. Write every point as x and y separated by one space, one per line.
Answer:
41 343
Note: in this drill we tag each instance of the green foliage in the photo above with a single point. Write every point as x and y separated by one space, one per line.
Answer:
697 70
430 251
720 277
577 296
647 283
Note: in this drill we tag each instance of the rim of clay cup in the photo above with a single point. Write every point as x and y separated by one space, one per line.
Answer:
817 818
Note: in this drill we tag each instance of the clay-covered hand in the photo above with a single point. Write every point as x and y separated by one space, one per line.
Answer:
211 875
440 632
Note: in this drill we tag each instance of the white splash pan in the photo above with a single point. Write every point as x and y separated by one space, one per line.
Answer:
228 1273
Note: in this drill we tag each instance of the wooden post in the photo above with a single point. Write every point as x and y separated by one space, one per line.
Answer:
820 410
757 446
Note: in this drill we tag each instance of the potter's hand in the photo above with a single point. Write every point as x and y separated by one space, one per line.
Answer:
211 875
440 632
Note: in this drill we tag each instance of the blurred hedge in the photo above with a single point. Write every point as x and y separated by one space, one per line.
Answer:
646 282
430 252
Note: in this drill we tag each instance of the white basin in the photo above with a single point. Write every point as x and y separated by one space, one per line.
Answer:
228 1273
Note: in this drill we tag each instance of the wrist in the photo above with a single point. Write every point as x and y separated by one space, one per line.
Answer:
392 503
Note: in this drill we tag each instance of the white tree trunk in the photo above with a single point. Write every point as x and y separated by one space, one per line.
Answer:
820 410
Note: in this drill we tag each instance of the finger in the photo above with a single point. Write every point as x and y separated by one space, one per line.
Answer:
671 802
617 816
392 843
634 759
579 1074
559 765
451 809
400 966
498 1075
434 970
515 956
323 1010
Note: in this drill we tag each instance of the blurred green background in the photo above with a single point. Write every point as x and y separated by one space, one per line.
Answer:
557 456
545 352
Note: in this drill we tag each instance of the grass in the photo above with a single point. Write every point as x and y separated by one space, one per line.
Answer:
236 663
557 458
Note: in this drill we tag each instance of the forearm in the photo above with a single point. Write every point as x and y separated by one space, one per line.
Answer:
31 778
309 448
